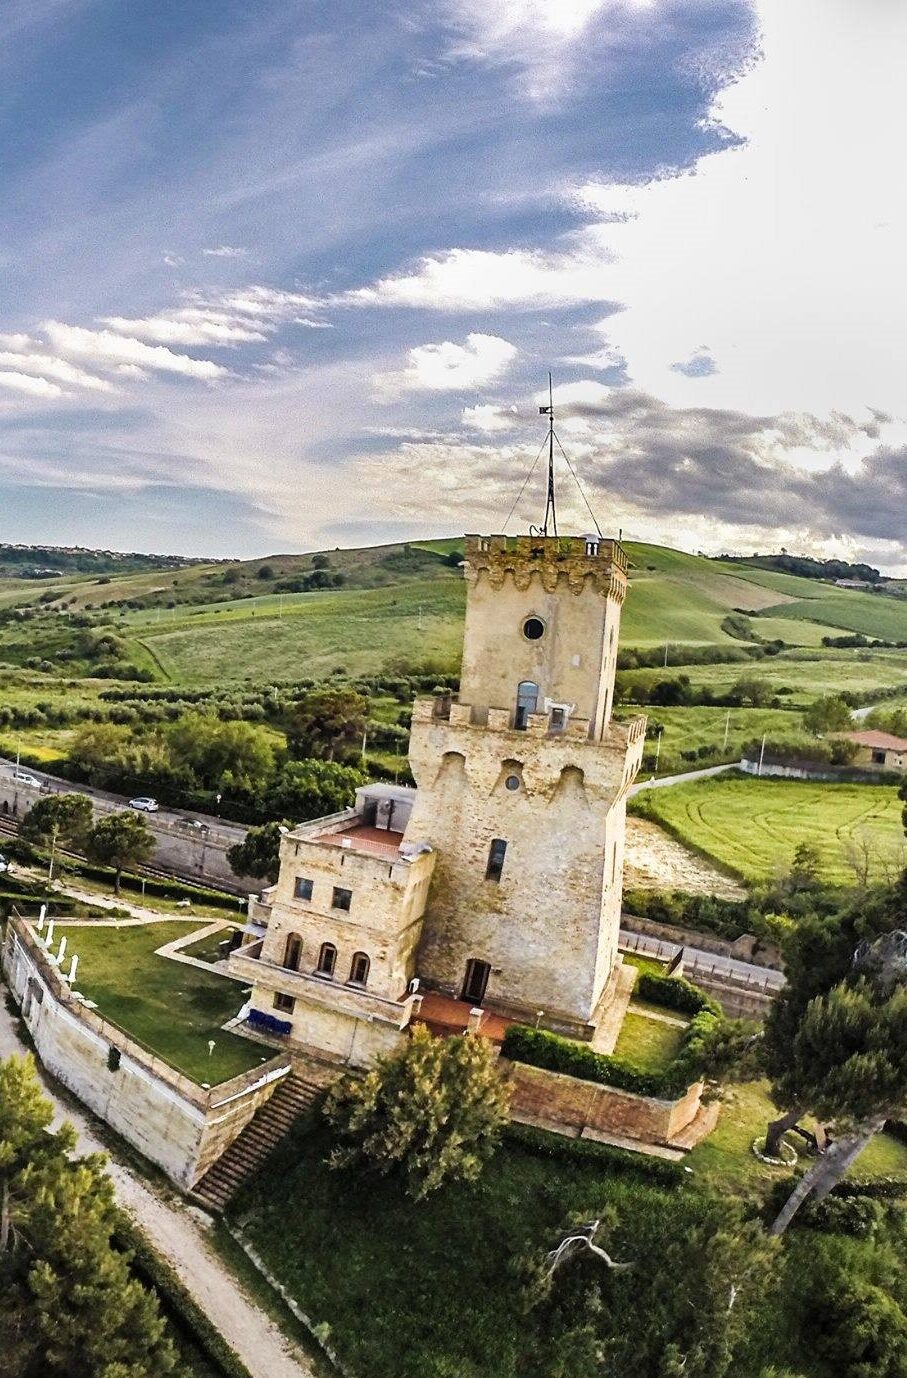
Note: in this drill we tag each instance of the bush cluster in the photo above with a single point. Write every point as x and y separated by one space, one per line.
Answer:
676 994
540 1048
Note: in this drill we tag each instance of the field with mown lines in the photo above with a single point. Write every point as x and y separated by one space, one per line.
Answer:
754 826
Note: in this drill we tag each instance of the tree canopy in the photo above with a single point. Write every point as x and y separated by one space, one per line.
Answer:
69 1307
432 1112
120 840
66 817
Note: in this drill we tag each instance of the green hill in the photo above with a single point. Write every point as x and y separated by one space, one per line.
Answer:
383 607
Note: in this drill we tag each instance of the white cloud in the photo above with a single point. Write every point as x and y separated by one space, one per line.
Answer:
480 280
37 387
540 39
186 327
225 251
487 417
104 347
46 366
450 367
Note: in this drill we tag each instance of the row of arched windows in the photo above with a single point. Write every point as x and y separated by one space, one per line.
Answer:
327 960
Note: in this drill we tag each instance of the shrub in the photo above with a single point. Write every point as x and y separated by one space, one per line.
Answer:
540 1048
676 993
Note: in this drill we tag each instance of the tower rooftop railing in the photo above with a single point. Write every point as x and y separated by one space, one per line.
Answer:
603 550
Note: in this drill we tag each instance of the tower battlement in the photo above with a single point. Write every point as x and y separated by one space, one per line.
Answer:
549 559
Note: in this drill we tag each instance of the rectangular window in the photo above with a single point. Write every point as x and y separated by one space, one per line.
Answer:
341 899
303 888
284 1002
558 719
496 853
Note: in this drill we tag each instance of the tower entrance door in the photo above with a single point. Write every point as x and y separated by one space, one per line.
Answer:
476 982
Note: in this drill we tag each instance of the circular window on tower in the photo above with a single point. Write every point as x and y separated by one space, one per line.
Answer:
512 782
533 629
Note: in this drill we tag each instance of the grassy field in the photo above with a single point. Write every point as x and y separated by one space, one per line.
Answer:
172 1008
752 827
688 729
650 1044
354 631
431 1289
809 674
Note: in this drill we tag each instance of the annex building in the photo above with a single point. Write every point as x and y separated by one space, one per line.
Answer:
497 881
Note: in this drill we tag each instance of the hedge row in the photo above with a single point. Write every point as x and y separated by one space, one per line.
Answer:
542 1144
676 994
177 1303
540 1048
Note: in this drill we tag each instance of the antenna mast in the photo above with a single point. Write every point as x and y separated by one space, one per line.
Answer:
550 509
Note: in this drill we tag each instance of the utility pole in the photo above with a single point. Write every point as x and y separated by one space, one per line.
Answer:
420 617
667 643
658 748
727 728
761 755
53 851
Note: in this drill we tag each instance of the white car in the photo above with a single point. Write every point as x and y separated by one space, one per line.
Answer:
4 865
144 804
23 778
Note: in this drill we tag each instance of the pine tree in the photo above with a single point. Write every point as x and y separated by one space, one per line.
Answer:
69 1307
432 1112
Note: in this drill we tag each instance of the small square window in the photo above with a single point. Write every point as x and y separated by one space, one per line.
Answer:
341 899
303 888
558 719
286 1003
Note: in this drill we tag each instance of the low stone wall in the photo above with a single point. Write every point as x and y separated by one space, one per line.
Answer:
179 1125
746 948
582 1106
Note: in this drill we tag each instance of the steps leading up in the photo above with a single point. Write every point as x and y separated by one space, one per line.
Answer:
249 1149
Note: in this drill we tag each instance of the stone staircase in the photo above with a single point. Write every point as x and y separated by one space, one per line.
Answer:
249 1149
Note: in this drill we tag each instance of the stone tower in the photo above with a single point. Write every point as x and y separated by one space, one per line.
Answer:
522 785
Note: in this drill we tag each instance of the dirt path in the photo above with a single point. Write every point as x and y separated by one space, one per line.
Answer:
178 1232
654 860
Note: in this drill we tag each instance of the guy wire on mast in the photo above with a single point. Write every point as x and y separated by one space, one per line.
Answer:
550 521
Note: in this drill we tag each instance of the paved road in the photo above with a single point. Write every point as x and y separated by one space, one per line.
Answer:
697 959
192 852
680 779
178 1232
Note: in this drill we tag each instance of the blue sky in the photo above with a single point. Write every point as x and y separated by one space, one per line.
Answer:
281 275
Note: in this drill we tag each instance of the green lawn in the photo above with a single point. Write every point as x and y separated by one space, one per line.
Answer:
205 949
753 826
688 729
649 1044
725 1159
172 1008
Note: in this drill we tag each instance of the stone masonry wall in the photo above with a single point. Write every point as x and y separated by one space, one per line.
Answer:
576 1105
179 1126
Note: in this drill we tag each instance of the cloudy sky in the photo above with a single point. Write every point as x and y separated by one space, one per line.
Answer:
279 274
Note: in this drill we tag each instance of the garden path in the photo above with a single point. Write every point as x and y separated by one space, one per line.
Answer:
178 1232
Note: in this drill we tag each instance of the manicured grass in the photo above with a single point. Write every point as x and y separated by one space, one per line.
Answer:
753 826
172 1008
206 948
870 613
725 1159
649 1044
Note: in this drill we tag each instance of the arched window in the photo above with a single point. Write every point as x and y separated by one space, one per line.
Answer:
359 968
292 952
327 960
527 699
